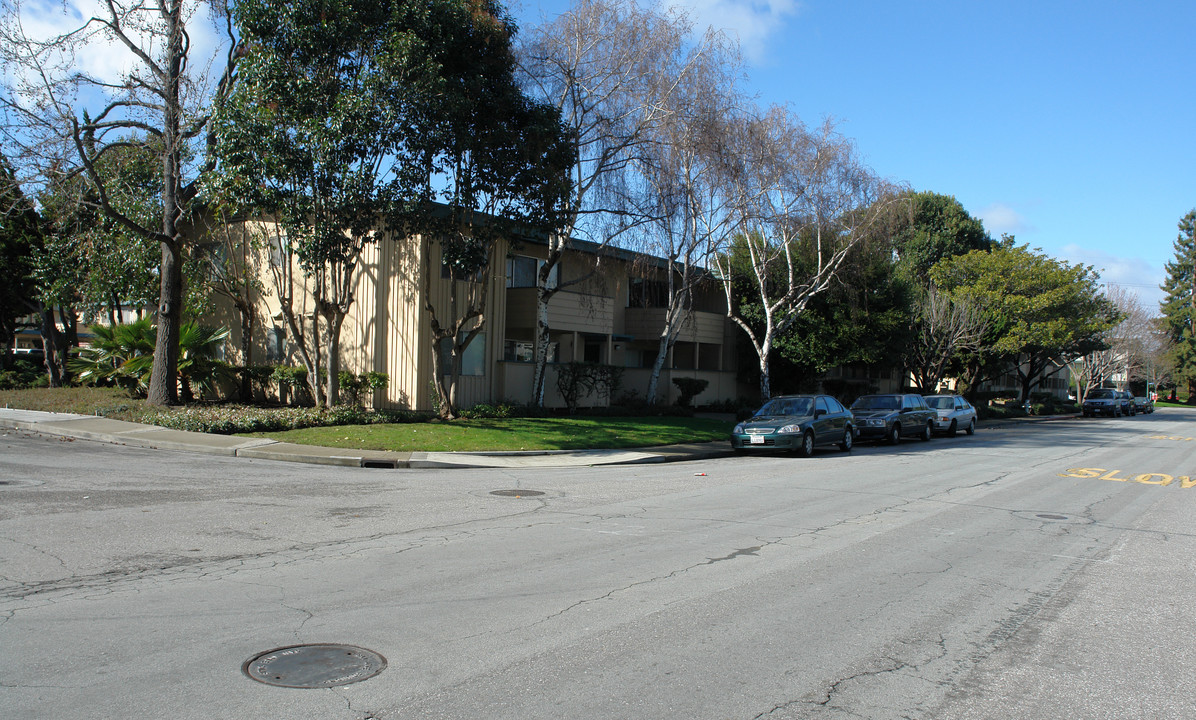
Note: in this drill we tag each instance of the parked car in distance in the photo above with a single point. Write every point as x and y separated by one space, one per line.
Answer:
1127 403
1143 404
797 423
890 417
952 412
1102 401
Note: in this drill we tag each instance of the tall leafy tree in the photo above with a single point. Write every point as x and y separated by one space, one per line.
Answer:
20 239
1179 307
935 227
353 116
1043 312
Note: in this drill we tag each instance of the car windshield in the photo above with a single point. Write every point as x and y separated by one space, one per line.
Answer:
941 403
785 406
877 402
1100 395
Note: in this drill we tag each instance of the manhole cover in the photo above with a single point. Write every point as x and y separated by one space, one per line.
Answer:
516 493
314 666
1049 516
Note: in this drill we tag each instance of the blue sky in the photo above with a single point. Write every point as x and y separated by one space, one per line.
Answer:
1071 125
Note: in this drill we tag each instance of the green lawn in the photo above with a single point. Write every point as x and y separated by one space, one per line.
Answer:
573 433
561 433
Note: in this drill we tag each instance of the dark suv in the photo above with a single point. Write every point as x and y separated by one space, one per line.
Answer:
890 417
1103 401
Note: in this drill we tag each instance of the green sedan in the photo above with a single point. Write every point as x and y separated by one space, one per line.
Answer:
797 423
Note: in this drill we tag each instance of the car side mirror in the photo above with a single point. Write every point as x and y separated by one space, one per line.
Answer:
819 413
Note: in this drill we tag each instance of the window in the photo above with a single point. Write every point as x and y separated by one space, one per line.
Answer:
276 346
519 351
592 348
647 294
473 361
278 247
522 272
821 405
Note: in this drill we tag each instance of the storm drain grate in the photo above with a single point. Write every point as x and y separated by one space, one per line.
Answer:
314 666
516 493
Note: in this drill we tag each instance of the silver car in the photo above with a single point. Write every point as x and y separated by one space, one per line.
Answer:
951 413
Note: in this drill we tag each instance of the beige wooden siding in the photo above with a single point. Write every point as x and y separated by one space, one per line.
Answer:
648 323
471 390
567 311
401 350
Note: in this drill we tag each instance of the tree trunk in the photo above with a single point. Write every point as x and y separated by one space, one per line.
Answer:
246 352
543 335
333 343
50 345
765 378
163 385
654 379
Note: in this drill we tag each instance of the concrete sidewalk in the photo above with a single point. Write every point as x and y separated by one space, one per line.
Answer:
86 427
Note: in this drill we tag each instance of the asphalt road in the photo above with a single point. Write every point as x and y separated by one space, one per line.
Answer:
1032 572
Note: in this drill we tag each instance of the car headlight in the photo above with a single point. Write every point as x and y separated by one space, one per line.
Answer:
790 429
738 429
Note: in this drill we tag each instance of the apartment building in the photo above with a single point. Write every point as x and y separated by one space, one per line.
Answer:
614 316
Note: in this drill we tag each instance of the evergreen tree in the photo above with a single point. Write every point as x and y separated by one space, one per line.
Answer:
1179 308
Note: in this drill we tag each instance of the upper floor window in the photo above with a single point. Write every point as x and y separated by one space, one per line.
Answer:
522 272
647 293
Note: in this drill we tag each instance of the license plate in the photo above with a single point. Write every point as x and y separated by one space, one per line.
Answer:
757 439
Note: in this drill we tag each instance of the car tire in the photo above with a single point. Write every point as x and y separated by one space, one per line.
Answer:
928 432
893 436
971 430
954 429
848 440
806 449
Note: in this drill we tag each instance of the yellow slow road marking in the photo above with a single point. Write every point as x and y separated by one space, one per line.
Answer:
1153 478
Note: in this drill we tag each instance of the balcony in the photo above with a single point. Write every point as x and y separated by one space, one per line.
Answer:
567 311
699 327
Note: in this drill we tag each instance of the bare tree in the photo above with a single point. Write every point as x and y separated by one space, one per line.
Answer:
678 186
1124 345
944 326
153 104
611 67
802 200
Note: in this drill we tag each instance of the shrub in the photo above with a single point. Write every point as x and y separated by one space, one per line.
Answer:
689 389
23 374
486 410
576 380
353 385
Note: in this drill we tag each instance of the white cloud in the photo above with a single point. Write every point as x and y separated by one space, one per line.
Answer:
1133 274
1000 219
752 22
103 57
